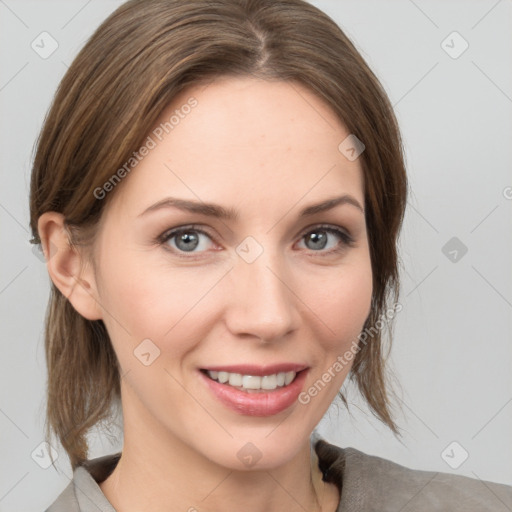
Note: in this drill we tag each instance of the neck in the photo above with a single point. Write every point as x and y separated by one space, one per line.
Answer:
167 480
160 472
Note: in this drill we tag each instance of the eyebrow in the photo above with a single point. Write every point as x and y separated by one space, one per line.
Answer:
217 211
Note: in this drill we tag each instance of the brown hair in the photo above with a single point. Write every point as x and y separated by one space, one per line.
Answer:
131 68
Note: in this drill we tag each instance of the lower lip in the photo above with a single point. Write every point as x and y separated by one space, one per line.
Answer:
257 404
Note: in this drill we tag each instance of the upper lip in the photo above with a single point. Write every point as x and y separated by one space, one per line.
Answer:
251 369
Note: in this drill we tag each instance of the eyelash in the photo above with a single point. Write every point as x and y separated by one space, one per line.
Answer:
346 239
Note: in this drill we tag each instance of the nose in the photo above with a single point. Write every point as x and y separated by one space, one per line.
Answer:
263 304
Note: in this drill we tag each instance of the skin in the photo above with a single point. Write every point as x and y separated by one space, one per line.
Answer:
266 149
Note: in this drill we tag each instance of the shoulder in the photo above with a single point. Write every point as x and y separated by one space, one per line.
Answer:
368 482
66 501
83 493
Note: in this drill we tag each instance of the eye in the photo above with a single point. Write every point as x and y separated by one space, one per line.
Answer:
185 239
317 239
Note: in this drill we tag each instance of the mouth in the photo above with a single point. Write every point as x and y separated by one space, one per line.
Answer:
250 383
255 391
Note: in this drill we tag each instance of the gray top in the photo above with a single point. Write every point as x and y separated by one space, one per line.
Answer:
366 483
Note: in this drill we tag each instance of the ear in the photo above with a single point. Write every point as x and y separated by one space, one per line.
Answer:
64 264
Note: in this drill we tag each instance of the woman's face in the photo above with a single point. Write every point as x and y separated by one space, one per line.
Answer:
266 291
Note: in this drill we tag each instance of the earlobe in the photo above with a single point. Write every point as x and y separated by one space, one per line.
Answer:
73 277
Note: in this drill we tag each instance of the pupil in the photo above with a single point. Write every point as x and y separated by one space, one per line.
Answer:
319 240
189 240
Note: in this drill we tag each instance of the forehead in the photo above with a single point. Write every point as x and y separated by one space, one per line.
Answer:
244 141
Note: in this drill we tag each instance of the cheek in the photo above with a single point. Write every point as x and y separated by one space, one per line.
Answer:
145 298
151 300
343 303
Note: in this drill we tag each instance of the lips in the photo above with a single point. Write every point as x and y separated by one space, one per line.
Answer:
258 403
251 369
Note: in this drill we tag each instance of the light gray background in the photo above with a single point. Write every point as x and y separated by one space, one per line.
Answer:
452 349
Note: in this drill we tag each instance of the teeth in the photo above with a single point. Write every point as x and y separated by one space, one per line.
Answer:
235 379
268 381
253 382
288 377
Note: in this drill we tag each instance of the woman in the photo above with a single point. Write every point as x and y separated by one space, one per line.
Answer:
218 189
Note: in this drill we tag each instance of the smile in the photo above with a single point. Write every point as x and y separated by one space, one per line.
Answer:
266 394
253 382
